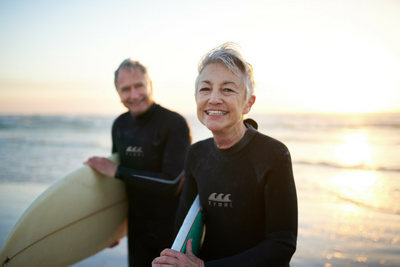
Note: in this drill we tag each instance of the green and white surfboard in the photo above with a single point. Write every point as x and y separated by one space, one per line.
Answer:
193 227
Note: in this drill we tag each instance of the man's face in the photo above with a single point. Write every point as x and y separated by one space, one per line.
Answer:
132 87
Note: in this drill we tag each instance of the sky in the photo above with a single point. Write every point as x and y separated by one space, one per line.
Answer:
309 56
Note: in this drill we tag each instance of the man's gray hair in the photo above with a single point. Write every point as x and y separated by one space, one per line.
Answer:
229 55
130 64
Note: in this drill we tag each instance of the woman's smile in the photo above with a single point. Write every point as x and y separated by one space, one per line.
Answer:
215 112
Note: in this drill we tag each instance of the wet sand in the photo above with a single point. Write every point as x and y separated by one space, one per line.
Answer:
337 232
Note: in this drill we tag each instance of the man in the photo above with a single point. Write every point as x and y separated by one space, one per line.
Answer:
152 143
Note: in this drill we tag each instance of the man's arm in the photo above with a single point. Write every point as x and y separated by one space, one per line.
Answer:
166 183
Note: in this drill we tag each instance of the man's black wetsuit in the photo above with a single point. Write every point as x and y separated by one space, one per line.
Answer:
249 201
152 149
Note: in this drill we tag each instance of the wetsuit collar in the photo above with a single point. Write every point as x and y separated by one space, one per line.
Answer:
147 114
248 135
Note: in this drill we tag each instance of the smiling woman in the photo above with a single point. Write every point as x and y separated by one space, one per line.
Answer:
259 227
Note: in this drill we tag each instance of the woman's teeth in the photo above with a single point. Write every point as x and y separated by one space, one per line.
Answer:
215 112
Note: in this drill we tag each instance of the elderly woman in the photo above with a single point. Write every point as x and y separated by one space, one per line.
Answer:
253 221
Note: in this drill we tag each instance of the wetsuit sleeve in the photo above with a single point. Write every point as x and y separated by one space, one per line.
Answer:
114 148
163 183
189 193
280 200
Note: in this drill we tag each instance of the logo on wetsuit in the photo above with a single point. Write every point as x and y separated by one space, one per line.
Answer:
134 151
220 200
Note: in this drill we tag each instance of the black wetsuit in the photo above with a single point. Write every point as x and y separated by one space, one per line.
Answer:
152 149
249 201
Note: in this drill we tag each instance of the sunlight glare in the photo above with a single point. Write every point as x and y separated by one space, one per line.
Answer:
358 186
355 150
338 73
358 181
349 208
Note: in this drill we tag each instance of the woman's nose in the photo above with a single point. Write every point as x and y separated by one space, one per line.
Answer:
215 97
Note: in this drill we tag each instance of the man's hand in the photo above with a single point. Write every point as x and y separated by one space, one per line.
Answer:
169 257
103 166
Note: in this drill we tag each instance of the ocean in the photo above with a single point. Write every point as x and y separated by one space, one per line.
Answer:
346 168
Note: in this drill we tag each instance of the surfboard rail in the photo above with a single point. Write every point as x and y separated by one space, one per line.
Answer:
192 227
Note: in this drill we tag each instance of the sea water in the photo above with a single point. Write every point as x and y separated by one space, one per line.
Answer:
346 168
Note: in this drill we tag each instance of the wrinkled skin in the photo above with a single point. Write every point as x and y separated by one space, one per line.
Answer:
172 258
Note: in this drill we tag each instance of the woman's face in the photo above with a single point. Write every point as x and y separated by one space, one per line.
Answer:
221 99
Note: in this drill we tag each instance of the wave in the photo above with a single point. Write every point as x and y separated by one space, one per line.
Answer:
328 121
50 143
382 200
47 121
357 167
392 210
349 125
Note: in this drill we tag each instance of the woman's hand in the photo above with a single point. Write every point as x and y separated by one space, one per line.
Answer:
103 166
169 257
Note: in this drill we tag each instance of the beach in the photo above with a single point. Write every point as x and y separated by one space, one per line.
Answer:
346 170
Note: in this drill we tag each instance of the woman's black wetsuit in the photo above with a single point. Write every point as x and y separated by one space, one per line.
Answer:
249 201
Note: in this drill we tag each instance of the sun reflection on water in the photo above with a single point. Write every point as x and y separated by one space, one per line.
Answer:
358 182
361 186
355 150
358 186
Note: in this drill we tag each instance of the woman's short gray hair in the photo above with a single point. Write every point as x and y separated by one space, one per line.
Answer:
130 64
229 55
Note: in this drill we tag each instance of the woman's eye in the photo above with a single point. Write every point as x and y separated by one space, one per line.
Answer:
204 89
227 90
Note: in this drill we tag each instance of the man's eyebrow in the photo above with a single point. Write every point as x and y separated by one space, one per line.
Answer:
138 85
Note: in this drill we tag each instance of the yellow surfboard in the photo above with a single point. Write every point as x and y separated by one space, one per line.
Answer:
76 217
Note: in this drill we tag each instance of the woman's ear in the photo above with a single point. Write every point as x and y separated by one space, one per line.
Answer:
249 104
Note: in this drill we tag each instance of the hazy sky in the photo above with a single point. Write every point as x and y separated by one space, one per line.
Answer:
308 56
